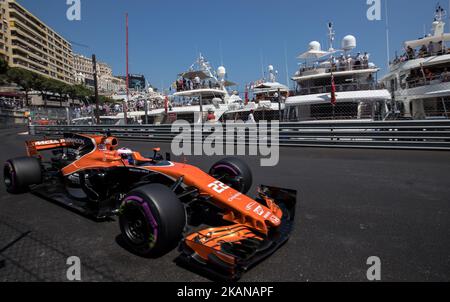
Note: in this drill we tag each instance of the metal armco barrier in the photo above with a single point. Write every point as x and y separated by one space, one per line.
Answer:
421 135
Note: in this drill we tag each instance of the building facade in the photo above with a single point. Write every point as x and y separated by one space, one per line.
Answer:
84 74
27 42
108 85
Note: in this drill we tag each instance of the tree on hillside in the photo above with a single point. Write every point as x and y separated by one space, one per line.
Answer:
83 93
23 78
29 81
57 87
41 84
71 93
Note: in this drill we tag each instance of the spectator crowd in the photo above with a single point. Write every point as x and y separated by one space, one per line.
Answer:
425 51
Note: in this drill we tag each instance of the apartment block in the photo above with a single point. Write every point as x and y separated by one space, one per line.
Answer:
84 74
27 42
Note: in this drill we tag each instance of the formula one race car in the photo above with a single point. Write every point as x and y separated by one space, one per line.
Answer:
161 204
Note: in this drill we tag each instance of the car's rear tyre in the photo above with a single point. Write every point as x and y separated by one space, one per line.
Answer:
20 173
152 220
233 172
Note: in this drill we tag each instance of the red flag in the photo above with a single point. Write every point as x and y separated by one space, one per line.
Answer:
333 90
246 94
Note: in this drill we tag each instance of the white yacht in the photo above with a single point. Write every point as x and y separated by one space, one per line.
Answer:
268 100
357 93
201 94
149 111
420 78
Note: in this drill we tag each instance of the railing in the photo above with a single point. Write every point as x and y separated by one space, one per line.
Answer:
443 77
419 55
342 65
339 88
12 117
420 135
193 86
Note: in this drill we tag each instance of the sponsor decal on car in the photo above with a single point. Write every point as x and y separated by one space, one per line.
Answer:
139 170
48 142
218 186
250 205
235 197
74 141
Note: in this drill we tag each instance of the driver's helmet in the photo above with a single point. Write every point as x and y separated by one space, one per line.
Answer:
126 154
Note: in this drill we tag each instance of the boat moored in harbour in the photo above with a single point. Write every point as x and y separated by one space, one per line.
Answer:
352 78
420 79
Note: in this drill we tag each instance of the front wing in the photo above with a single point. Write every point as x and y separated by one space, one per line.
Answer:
224 253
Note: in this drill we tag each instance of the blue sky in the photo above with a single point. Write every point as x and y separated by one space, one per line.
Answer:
166 36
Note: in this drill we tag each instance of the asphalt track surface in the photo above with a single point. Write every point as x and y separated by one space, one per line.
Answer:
352 204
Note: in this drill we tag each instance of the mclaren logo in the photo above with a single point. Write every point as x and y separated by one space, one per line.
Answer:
43 143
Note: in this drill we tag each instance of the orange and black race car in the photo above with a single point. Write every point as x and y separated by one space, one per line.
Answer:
160 203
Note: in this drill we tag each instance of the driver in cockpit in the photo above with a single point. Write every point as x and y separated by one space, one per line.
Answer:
126 155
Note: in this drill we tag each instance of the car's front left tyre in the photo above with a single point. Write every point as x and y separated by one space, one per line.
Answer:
152 220
233 172
20 173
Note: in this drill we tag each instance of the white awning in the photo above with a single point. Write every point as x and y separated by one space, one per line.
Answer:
438 93
313 54
417 63
427 40
437 60
269 87
348 96
198 92
191 75
336 74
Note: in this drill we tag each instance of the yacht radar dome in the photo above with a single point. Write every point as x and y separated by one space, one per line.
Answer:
315 46
348 43
221 72
272 73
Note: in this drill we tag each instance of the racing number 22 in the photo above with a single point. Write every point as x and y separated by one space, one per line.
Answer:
218 186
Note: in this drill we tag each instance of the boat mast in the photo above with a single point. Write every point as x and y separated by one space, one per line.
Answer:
286 64
331 36
221 52
262 64
125 105
387 34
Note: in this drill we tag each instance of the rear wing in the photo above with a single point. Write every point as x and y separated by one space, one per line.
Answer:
33 147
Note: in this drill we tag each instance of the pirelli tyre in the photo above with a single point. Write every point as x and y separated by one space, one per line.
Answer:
233 172
152 220
20 173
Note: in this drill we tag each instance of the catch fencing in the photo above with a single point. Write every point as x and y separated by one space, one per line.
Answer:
420 135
